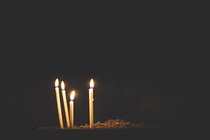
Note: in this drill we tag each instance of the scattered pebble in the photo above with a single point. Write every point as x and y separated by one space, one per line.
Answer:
109 124
114 124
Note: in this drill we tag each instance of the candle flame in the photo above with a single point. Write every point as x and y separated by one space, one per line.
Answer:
62 85
91 83
72 95
56 82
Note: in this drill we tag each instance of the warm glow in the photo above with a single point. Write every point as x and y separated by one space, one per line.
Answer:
72 95
56 82
91 83
62 85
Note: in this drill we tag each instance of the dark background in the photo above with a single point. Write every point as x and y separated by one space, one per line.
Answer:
140 57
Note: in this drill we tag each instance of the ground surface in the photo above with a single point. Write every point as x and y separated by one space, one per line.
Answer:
109 124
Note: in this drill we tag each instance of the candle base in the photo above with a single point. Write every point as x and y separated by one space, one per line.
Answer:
111 129
109 124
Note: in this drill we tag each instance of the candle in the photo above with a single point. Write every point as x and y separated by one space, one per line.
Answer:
91 111
58 103
71 104
65 104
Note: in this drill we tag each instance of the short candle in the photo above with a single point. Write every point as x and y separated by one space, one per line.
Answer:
71 104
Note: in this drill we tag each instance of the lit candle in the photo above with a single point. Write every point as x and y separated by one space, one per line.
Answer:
58 103
71 104
91 99
65 103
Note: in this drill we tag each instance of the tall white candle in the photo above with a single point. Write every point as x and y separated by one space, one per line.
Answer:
71 104
58 103
65 104
91 99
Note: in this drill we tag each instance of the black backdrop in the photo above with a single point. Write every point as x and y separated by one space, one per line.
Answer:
139 59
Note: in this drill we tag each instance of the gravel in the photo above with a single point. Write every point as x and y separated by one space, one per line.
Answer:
115 124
